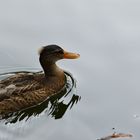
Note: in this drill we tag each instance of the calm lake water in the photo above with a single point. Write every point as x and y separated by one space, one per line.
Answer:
106 34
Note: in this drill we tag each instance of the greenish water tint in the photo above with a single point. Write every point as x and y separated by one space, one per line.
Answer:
55 106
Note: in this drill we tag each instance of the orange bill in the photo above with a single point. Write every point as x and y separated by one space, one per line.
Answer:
69 55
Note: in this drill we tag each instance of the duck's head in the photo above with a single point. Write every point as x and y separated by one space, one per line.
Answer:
52 53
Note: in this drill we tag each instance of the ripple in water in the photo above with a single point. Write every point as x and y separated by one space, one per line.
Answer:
55 106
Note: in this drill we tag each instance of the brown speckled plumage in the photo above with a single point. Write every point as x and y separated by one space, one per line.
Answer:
24 90
28 90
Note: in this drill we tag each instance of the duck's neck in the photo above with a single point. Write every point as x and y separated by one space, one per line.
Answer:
50 68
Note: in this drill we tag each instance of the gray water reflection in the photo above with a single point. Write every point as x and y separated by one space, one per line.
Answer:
106 34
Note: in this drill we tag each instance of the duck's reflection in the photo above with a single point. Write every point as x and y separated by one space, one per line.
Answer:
55 106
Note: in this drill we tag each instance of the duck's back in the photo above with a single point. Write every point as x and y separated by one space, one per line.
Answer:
24 90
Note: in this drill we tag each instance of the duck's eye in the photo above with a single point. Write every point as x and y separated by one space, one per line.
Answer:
59 51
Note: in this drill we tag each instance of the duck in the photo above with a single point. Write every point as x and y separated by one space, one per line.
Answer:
25 89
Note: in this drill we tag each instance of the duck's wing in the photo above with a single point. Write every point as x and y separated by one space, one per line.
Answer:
21 91
18 79
19 83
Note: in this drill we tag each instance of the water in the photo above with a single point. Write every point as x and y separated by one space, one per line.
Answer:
106 34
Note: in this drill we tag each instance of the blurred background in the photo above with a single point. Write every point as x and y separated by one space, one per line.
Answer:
106 34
